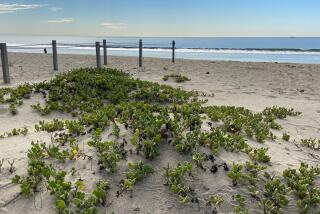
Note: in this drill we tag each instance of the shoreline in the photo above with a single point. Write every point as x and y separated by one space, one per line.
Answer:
300 50
303 57
93 54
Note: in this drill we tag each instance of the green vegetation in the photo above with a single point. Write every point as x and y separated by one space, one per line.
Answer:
302 182
245 173
136 172
15 96
216 200
15 132
199 159
147 116
108 153
280 112
176 77
311 143
285 137
275 196
240 208
260 155
66 193
175 179
13 109
242 121
52 126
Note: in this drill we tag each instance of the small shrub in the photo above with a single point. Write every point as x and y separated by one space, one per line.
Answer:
311 143
286 137
176 77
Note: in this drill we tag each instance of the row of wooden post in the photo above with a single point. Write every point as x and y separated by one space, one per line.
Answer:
98 56
5 64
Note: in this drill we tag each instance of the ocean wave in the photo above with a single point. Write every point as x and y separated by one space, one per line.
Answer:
211 50
88 46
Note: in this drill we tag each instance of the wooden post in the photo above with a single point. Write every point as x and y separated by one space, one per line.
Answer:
140 53
5 63
55 55
105 62
98 57
173 50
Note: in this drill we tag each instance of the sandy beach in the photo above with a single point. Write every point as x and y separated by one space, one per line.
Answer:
245 84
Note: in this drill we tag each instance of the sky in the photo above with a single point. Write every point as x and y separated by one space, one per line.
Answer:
160 18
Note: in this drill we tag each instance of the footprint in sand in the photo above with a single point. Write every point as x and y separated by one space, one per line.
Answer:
318 111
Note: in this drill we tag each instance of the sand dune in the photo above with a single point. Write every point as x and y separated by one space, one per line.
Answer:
251 85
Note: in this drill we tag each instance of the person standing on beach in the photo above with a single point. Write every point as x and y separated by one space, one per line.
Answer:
45 50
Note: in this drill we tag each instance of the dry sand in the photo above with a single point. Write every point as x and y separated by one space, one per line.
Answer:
251 85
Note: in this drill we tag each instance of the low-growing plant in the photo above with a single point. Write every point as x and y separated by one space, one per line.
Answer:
252 170
216 200
240 208
13 109
85 203
135 139
74 127
15 132
243 121
311 143
55 125
136 172
175 179
285 137
275 196
247 173
42 110
101 192
115 130
199 158
218 139
302 182
280 112
236 174
54 152
108 153
259 155
69 197
150 149
176 77
37 172
15 96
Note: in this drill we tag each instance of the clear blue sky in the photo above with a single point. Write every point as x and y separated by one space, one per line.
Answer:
161 17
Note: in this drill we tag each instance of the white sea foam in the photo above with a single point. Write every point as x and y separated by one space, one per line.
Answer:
261 55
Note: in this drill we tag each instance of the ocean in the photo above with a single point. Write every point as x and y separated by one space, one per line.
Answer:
254 49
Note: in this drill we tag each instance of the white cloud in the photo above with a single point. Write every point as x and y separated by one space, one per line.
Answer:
59 21
55 9
11 8
115 26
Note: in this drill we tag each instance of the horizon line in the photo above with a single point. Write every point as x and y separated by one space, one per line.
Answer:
131 36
